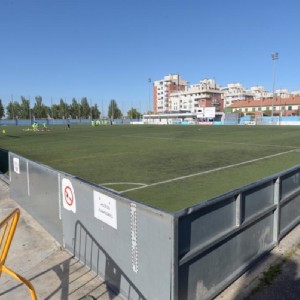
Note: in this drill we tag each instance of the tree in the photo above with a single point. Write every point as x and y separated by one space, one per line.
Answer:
75 109
85 108
24 108
134 114
55 111
95 112
39 109
63 109
1 110
113 111
13 110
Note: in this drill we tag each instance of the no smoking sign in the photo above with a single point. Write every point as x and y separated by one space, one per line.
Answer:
68 195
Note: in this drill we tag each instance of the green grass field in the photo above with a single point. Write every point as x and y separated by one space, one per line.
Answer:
168 167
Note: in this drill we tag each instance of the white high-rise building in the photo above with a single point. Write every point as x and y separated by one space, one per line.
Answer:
162 90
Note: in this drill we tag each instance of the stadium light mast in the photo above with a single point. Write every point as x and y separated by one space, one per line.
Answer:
274 58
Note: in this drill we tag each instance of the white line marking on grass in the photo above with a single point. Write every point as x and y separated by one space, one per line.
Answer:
131 183
115 183
209 171
208 141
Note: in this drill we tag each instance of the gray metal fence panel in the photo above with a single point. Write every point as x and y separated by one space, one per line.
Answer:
219 239
206 275
35 187
18 177
131 250
289 200
289 214
200 227
290 182
256 199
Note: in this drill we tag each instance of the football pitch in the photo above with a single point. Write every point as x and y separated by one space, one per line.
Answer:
167 167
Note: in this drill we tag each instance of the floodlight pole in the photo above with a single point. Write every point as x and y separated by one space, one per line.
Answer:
274 58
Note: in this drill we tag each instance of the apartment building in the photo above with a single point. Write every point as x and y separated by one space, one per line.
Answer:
234 92
259 92
162 90
173 95
282 93
206 93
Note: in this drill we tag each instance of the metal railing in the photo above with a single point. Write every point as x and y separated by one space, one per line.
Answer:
7 230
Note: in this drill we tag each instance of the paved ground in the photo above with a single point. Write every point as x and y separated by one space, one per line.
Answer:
35 255
55 274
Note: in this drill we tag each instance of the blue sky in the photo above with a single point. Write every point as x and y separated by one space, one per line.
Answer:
107 50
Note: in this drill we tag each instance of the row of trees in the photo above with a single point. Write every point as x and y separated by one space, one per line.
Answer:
63 110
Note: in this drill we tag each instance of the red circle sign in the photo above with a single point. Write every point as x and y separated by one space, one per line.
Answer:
69 198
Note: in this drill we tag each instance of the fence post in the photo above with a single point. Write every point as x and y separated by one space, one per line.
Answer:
175 258
276 214
238 206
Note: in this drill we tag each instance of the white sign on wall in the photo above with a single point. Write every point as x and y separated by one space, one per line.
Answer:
16 165
210 112
105 209
68 195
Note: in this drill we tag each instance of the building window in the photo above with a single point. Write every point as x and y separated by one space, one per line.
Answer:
289 108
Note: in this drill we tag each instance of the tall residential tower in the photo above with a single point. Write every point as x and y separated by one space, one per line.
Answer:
162 90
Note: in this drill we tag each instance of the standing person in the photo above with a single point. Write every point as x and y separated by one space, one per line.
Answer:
35 126
68 122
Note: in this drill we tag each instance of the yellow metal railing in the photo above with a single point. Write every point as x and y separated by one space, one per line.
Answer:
7 230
